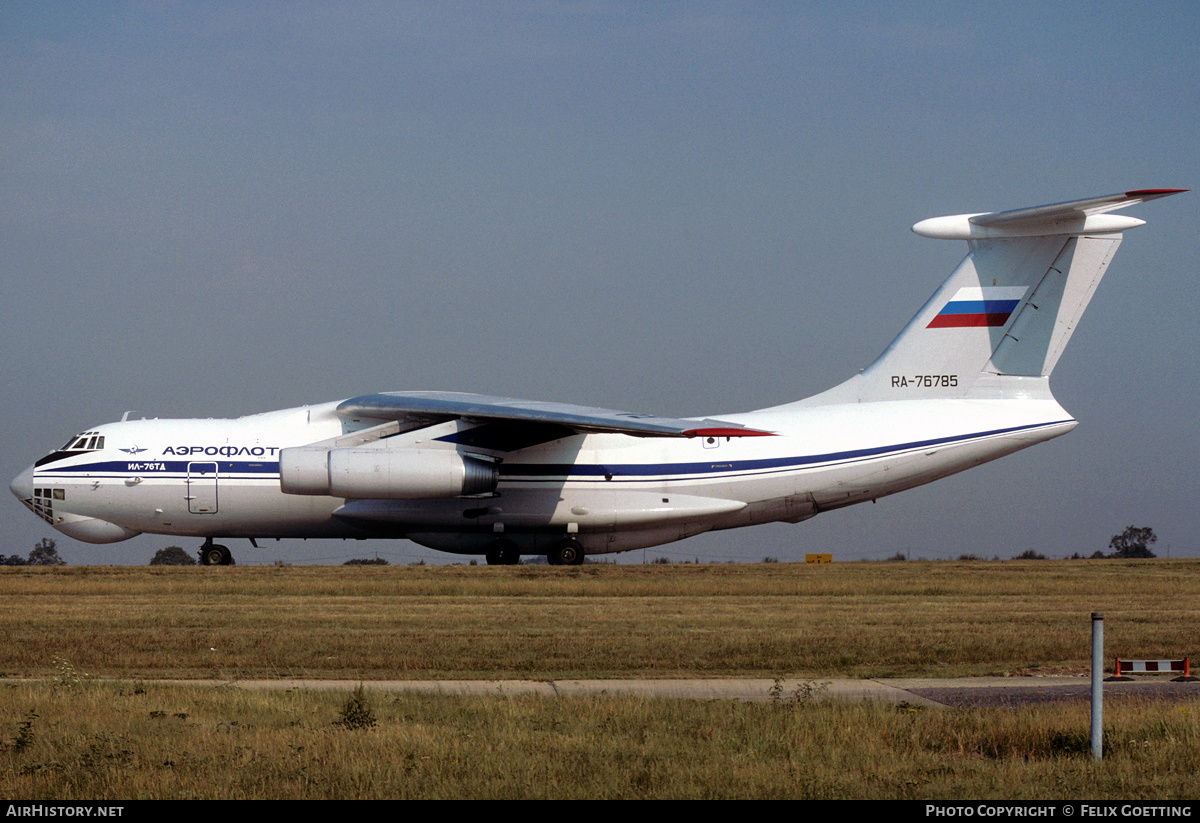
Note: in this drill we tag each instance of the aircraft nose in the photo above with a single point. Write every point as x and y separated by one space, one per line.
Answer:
22 485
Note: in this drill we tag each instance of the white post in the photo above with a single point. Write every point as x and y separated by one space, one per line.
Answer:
1097 686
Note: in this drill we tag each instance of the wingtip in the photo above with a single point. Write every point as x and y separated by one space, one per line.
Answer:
1153 192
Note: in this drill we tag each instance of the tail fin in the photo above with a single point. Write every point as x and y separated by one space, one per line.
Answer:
1009 308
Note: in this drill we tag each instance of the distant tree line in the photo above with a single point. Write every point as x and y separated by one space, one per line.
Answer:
1132 544
45 553
172 556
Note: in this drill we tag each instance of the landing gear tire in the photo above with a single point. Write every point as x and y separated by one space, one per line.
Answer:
214 554
566 553
503 553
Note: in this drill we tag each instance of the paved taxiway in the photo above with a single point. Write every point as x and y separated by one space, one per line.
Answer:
928 692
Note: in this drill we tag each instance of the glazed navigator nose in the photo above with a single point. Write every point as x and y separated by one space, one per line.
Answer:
22 485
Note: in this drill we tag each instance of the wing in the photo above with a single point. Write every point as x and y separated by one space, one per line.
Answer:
507 424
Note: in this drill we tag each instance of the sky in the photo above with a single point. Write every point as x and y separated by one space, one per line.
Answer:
216 209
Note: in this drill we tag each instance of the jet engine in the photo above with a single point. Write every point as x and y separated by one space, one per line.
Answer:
402 474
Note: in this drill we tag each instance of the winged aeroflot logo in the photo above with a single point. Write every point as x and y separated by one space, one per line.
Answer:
134 450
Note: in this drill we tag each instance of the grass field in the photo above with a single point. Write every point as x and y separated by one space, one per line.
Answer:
69 736
765 620
65 740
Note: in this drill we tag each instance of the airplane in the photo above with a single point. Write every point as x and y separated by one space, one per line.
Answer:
965 382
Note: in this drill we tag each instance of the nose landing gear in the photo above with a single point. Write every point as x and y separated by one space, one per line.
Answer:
566 552
503 553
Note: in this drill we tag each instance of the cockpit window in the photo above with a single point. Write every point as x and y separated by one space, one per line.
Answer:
88 441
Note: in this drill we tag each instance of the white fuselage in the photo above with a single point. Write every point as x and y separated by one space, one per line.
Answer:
611 492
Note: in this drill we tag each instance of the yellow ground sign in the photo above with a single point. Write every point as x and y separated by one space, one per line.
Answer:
818 558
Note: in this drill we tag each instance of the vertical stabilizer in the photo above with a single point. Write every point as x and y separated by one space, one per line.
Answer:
998 325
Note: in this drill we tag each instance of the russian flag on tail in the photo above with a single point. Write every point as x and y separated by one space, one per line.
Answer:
974 306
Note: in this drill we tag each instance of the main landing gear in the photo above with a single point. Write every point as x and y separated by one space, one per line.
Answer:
566 552
503 553
214 554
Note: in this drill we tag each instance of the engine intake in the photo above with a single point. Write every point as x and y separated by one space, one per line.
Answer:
401 474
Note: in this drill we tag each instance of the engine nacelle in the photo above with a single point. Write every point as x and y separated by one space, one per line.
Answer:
401 474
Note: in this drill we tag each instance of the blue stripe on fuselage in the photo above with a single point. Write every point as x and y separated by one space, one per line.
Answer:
149 467
560 471
513 471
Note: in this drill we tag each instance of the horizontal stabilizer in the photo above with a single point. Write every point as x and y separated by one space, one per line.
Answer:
1074 217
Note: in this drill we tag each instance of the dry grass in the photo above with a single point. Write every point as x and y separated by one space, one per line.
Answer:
68 740
850 620
71 737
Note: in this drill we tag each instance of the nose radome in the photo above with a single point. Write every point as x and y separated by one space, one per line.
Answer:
22 485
